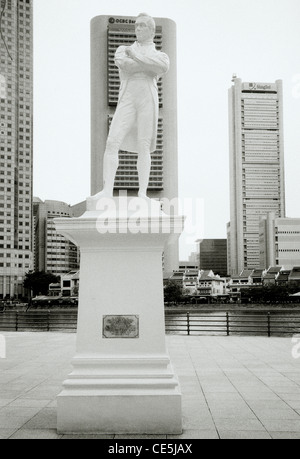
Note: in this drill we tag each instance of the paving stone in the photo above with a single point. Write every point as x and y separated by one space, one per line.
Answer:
25 434
28 403
7 433
285 435
282 425
244 435
196 434
230 424
46 418
275 414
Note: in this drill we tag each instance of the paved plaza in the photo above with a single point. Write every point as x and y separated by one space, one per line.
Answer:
232 387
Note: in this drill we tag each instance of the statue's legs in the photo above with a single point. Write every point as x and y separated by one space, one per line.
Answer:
144 166
136 108
122 122
110 166
145 120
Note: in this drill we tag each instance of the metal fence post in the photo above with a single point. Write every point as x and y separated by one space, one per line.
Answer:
188 323
269 324
227 323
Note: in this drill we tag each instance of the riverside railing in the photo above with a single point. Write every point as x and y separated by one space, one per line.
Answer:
42 320
237 322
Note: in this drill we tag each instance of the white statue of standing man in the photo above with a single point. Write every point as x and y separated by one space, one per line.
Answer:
134 125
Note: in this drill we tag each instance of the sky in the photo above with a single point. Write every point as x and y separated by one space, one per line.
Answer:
259 40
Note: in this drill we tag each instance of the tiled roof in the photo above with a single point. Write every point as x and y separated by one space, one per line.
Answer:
295 273
257 272
71 275
283 275
270 276
209 278
246 273
274 269
177 275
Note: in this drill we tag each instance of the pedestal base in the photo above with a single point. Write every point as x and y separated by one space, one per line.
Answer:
120 395
122 379
134 414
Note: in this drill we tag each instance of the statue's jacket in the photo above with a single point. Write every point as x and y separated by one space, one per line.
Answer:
154 64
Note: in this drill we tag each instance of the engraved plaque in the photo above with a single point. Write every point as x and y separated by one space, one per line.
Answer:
120 326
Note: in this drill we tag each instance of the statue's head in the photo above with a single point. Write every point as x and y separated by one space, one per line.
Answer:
144 27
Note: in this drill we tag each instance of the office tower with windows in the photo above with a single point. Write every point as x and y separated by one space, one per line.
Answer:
16 69
279 242
256 166
213 256
107 33
53 253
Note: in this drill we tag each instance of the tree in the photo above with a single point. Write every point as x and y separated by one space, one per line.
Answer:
266 294
172 292
39 282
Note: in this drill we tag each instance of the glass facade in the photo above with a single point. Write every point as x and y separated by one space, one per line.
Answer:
213 256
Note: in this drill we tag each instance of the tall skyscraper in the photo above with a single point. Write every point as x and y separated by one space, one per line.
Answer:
107 33
256 166
16 70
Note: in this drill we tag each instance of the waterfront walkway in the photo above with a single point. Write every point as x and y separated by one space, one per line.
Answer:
232 387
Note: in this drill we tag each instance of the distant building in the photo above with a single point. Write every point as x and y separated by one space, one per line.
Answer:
194 258
283 278
238 283
294 277
256 166
67 287
229 264
53 253
70 284
177 277
213 255
190 281
210 285
244 278
257 276
271 276
279 241
16 134
187 266
187 276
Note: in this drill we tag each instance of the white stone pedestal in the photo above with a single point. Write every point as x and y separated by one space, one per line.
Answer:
122 379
